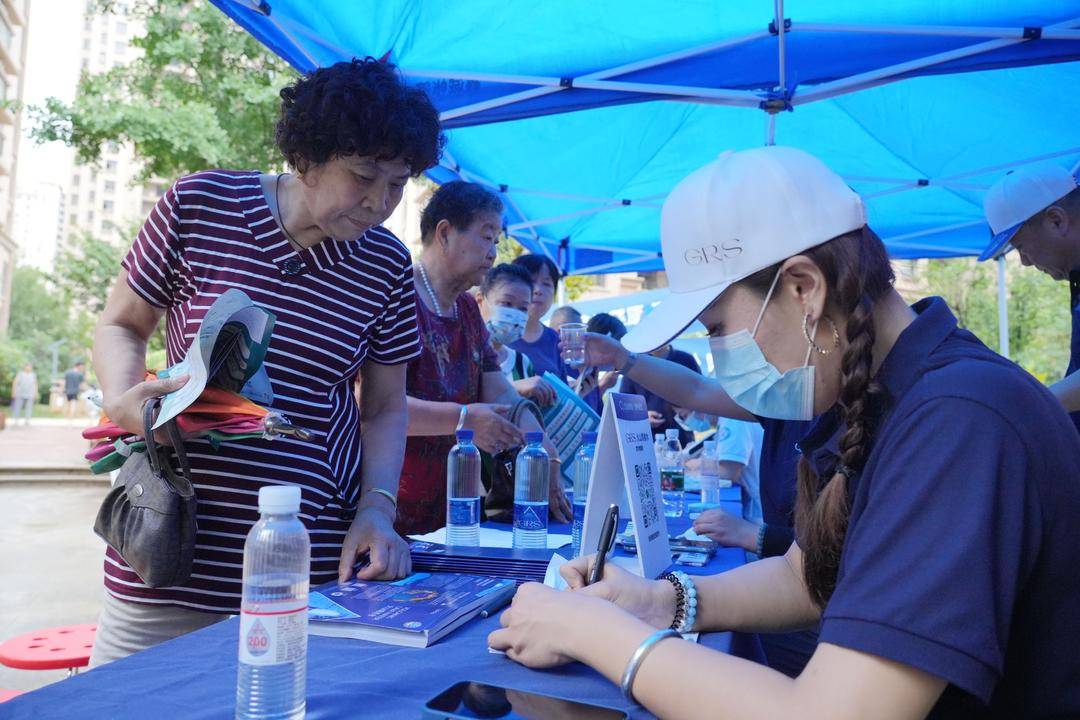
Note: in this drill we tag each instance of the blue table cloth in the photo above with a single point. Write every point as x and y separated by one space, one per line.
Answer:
194 676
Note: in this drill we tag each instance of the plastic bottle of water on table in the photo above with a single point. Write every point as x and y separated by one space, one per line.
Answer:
582 470
463 492
672 475
271 680
531 479
710 476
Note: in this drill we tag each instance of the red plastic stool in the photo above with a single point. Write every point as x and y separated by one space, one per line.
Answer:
66 646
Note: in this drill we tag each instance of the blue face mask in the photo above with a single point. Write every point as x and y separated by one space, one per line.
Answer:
755 383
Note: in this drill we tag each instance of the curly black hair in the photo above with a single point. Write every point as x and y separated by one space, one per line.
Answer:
360 107
459 202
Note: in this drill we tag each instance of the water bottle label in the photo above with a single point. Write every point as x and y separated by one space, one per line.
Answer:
464 512
531 517
273 633
671 479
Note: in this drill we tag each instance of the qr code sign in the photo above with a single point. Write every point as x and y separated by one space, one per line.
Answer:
643 476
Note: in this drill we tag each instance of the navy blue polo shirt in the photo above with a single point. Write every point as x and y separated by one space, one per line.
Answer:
1074 345
961 552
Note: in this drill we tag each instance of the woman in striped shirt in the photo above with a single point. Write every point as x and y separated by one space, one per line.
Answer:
309 247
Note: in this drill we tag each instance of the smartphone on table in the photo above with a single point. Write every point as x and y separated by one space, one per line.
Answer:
467 700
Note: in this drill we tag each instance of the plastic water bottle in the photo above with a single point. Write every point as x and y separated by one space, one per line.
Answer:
658 446
531 478
672 475
271 681
463 492
710 476
582 471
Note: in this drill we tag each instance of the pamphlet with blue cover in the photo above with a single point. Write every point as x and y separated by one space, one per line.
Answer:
415 611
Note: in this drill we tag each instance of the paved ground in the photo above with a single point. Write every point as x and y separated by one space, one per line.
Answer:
50 559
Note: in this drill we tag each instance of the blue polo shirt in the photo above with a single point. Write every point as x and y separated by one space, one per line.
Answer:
1074 345
961 555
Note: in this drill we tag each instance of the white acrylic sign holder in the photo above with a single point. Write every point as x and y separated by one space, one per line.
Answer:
625 473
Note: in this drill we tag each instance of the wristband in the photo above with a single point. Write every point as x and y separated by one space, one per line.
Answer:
386 494
761 540
461 418
627 684
630 360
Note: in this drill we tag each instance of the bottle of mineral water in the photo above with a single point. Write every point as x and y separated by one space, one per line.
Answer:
672 475
582 471
658 446
463 492
531 477
271 681
710 476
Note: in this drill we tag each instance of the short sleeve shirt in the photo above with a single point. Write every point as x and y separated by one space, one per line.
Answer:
739 442
543 353
337 305
960 557
457 353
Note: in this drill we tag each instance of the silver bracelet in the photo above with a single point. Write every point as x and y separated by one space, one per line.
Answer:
461 418
638 657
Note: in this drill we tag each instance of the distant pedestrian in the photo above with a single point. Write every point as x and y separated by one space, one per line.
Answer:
73 381
24 392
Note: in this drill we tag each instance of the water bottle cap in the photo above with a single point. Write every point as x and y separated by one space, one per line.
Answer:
278 499
534 436
672 434
659 437
589 438
464 435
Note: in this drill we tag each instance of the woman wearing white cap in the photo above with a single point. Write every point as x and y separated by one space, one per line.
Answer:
936 518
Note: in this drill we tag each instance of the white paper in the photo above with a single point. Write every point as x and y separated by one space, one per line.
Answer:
490 537
552 578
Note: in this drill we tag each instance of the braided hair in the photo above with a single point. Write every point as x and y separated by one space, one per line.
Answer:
857 273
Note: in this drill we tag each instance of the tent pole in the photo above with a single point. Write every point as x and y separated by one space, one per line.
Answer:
938 31
1003 309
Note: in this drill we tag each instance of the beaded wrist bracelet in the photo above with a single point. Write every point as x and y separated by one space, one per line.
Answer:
685 600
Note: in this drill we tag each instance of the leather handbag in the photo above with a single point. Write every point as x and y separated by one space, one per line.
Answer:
498 475
149 515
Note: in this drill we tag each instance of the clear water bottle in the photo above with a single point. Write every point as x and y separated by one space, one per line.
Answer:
531 478
582 471
710 476
672 475
658 446
272 680
463 492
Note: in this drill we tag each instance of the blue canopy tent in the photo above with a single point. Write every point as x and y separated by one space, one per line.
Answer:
584 115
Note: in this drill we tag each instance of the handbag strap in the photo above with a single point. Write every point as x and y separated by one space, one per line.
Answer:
157 455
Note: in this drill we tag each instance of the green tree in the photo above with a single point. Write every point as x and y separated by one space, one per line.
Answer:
41 317
85 270
1037 308
202 94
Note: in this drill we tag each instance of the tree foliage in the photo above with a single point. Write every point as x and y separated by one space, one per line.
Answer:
202 94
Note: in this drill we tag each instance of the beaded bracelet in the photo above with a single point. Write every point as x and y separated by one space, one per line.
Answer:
685 600
761 540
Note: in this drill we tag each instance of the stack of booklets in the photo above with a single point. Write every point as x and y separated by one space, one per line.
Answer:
520 566
414 612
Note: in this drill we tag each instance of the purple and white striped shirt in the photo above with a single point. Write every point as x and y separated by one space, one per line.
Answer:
337 304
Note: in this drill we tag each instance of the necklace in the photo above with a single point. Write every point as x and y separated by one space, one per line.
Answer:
431 293
281 216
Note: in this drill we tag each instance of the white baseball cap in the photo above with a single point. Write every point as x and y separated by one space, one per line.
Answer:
1017 197
740 214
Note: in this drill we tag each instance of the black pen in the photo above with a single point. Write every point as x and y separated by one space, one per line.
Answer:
607 541
501 601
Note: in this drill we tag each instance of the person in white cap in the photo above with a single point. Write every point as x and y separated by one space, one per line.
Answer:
1036 210
936 518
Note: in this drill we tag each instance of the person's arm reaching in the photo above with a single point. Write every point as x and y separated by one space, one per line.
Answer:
677 384
382 426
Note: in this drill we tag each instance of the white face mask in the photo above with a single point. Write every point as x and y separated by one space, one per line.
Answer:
506 324
755 383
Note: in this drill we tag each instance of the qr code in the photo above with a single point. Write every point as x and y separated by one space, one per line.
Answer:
650 512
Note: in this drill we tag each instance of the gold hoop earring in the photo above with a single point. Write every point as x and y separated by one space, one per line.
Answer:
806 332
